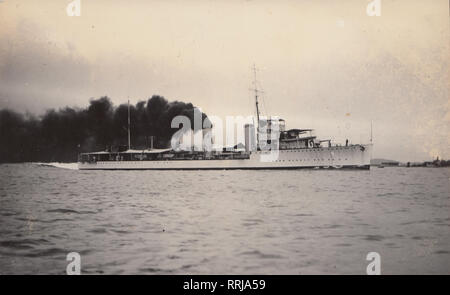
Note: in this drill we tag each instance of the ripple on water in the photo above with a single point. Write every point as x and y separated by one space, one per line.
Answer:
23 243
376 238
259 254
442 252
64 211
99 230
69 211
47 252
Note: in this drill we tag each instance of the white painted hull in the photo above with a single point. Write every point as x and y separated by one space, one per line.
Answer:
354 156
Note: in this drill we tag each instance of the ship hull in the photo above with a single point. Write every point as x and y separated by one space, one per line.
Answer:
344 157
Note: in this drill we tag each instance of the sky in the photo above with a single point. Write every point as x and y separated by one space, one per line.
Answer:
322 64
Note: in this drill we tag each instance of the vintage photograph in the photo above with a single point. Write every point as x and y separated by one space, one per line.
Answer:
213 137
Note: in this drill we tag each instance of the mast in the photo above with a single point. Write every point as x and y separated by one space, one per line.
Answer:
371 122
129 137
257 106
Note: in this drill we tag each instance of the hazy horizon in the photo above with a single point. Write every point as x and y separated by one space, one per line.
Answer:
323 64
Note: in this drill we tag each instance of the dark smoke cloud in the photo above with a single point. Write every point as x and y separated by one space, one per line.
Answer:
60 135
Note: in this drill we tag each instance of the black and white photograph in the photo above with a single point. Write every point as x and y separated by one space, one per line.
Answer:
212 137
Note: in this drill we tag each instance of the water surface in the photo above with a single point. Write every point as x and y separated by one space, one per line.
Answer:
224 222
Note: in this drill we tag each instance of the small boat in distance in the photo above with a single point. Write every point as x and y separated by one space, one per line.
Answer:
294 149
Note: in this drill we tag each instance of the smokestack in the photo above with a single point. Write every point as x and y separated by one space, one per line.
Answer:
249 138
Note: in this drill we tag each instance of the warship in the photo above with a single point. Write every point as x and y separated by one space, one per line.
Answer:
269 145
